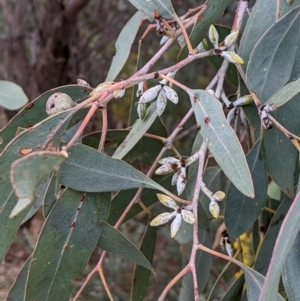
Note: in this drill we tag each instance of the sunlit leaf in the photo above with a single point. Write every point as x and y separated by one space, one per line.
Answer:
12 96
123 45
221 140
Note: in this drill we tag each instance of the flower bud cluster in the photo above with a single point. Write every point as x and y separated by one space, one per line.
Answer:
227 43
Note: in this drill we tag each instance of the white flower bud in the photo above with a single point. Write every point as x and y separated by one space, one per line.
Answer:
101 87
231 38
150 94
219 196
140 89
203 46
83 83
243 101
188 216
213 36
231 115
171 94
119 93
181 41
232 57
161 102
214 209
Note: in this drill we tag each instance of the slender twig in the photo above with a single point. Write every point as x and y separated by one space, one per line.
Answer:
104 128
106 288
269 210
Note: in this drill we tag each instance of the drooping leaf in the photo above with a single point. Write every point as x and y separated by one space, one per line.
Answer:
123 45
35 111
254 283
89 170
164 7
212 13
47 135
285 94
280 153
28 172
203 266
17 291
265 252
66 242
241 211
221 140
141 274
12 96
291 271
139 128
113 241
284 242
271 61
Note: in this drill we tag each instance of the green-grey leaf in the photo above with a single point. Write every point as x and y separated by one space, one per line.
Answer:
265 253
45 134
35 111
28 172
285 94
291 271
241 211
141 274
113 241
123 45
139 128
284 242
271 61
281 154
213 11
89 170
66 242
12 96
222 141
164 7
254 283
17 291
50 196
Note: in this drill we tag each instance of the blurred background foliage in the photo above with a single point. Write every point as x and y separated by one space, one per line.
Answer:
46 44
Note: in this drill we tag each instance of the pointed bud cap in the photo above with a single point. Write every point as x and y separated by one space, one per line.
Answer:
59 102
232 57
214 209
231 38
213 36
142 110
243 101
219 196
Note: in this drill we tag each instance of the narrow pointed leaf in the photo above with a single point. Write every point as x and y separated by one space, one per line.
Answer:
66 242
113 241
241 211
291 271
222 141
272 60
280 153
89 170
28 172
285 94
46 134
139 128
17 291
123 45
35 111
284 242
235 290
141 274
12 96
50 196
254 282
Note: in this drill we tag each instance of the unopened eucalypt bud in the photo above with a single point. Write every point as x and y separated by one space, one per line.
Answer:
59 102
